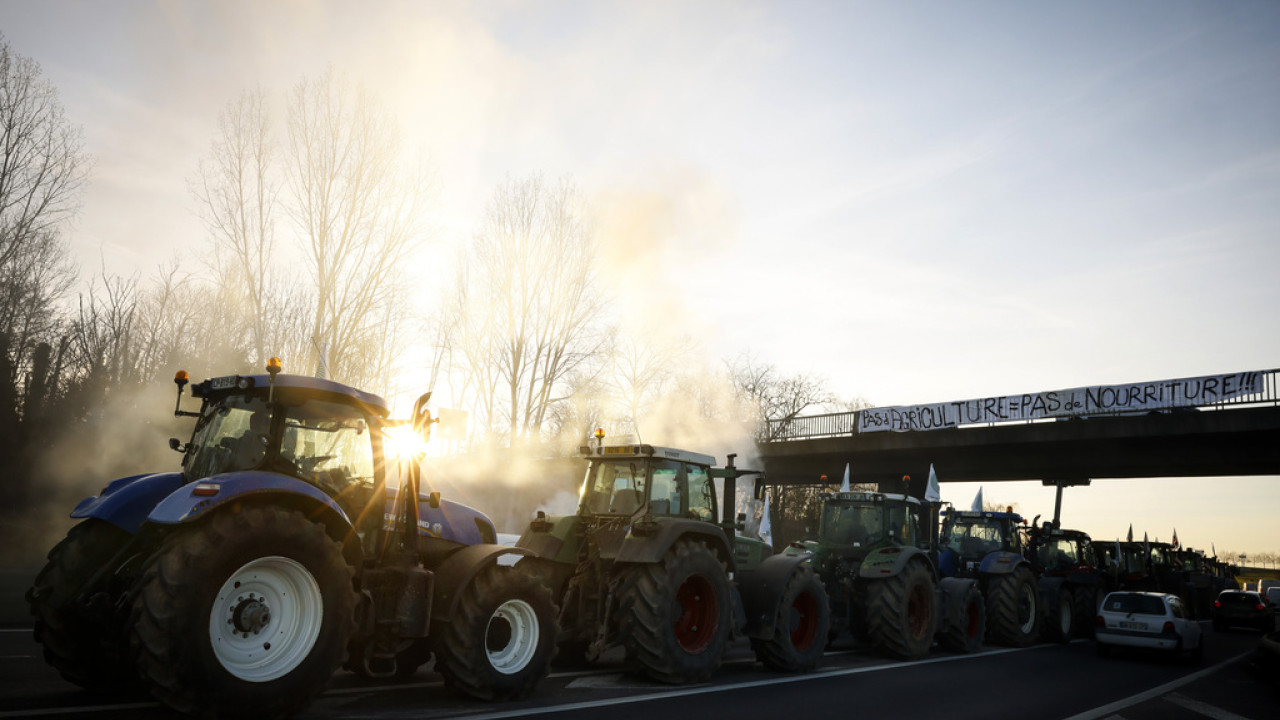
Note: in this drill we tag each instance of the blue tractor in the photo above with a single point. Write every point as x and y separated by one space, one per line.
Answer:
987 546
283 549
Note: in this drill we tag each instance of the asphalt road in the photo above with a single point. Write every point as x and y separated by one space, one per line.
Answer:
1045 682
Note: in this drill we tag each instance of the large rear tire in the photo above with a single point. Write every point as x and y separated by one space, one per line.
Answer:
245 614
966 629
89 652
674 618
901 613
499 644
800 627
1013 608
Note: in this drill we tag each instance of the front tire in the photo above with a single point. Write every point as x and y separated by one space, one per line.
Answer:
800 627
1013 608
965 632
674 618
1062 619
499 644
901 611
245 614
85 651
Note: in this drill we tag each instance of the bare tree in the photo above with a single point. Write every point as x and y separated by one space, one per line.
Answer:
237 192
42 172
526 297
776 399
641 367
360 214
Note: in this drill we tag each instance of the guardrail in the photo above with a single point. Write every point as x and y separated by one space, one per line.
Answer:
808 427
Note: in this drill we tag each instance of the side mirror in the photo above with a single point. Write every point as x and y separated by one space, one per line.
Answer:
434 499
759 488
175 444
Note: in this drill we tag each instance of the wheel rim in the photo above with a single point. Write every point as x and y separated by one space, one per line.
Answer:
803 621
265 619
918 612
511 638
696 624
1027 609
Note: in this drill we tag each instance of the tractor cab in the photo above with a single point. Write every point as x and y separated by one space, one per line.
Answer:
319 431
974 535
1054 551
643 480
854 523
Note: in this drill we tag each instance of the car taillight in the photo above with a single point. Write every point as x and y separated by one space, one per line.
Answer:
1168 626
1100 621
1260 606
1217 603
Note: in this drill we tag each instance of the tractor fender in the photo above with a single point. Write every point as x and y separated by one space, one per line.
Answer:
126 502
183 506
889 561
653 546
1001 563
457 571
762 589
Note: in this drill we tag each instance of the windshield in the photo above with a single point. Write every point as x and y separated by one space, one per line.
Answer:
231 435
328 444
616 487
1058 554
974 538
844 524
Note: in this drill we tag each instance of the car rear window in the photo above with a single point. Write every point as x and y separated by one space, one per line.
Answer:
1135 604
1238 599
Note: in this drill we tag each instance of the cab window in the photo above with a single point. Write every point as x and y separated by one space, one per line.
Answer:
328 444
702 492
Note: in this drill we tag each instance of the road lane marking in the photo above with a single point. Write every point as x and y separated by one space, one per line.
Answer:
1203 708
45 712
1154 692
707 689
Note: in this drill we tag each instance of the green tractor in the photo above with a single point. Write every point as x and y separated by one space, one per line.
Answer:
876 555
648 564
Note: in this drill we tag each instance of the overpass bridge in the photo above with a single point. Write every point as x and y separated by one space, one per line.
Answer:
1220 425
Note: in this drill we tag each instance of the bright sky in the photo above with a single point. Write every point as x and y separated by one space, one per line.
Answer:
919 201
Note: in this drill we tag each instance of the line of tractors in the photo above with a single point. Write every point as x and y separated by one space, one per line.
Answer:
298 539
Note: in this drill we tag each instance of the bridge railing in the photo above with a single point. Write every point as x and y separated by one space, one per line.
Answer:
807 427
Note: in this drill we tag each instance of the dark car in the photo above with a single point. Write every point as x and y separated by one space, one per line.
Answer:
1244 608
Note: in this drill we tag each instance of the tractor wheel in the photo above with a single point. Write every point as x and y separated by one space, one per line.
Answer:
901 612
1087 602
800 627
1013 608
965 632
500 642
89 652
1061 624
245 614
674 618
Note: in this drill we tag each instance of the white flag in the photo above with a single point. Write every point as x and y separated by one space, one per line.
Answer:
977 501
932 493
766 527
844 484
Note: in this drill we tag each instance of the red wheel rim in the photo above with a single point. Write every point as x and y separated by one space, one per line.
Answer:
699 614
972 623
804 621
918 612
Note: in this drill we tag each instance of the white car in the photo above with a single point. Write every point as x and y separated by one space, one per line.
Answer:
1147 620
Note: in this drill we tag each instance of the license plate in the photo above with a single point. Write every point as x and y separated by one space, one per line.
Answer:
1133 625
226 382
